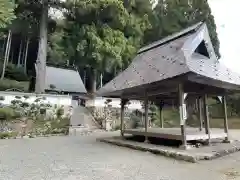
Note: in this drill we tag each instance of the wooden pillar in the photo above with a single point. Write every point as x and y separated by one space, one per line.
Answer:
206 118
122 116
225 117
161 116
146 105
200 113
182 120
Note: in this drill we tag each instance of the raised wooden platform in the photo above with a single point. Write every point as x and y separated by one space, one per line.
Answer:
175 133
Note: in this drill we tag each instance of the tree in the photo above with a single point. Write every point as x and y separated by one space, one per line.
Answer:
173 15
38 9
104 35
57 54
6 13
6 17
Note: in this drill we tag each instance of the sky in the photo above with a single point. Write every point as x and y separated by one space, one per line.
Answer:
227 19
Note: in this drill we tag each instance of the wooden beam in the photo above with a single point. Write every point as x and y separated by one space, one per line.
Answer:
161 116
146 105
122 117
200 113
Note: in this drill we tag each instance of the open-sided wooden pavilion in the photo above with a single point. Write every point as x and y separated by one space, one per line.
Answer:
180 65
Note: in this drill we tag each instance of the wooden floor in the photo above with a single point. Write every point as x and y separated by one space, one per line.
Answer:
175 133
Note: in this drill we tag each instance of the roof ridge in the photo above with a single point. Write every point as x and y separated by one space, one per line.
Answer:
172 37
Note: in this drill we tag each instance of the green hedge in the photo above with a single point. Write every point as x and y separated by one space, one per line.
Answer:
4 135
12 84
6 113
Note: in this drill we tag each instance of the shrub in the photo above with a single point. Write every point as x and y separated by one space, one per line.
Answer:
60 112
135 120
52 86
17 114
42 110
4 135
18 97
12 84
16 73
2 98
6 113
26 97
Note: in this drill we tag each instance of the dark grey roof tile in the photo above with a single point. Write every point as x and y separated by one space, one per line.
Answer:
171 57
64 80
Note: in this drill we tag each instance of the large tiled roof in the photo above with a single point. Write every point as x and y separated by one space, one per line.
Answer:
170 57
64 80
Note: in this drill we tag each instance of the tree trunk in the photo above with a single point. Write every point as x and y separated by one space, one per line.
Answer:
42 52
101 80
84 78
26 56
94 81
19 54
12 55
7 51
3 47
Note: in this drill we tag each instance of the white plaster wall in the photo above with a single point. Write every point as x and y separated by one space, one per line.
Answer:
100 102
52 99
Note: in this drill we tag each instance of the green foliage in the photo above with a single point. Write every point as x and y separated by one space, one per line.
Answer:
16 73
57 126
57 55
171 118
42 110
6 84
52 86
18 97
2 98
6 114
6 12
61 124
135 120
60 112
26 97
173 15
4 135
105 34
155 116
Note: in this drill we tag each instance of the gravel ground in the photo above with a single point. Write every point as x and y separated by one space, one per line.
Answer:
81 157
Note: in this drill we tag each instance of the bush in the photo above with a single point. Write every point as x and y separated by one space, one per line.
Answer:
6 113
15 73
135 120
2 98
60 112
12 84
4 135
42 110
26 97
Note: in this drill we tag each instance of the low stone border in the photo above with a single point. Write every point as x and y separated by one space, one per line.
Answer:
132 145
35 136
185 155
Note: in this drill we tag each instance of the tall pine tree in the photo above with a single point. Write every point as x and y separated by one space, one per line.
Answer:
174 15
